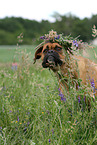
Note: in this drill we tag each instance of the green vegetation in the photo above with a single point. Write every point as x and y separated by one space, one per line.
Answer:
8 54
31 109
12 27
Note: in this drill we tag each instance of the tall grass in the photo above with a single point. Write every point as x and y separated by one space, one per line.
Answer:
32 110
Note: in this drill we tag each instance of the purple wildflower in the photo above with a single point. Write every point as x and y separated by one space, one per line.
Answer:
0 127
49 140
11 97
93 85
59 89
57 37
78 86
62 96
10 111
75 43
52 131
28 123
18 118
28 112
42 37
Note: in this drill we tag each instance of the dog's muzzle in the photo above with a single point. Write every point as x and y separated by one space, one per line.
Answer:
51 59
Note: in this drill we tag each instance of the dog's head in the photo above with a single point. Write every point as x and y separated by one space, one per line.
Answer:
51 54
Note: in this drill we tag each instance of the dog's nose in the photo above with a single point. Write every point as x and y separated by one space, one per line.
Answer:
51 51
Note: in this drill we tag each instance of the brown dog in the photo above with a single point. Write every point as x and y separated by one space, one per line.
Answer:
65 65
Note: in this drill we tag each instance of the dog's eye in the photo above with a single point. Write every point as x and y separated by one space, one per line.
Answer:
46 50
58 48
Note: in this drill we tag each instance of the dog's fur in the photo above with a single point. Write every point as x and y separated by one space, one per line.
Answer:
70 66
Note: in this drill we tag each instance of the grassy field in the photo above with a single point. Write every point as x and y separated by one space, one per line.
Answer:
8 53
32 111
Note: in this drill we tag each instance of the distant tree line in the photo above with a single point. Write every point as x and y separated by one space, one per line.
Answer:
10 28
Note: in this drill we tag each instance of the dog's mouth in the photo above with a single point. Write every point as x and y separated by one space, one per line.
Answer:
51 62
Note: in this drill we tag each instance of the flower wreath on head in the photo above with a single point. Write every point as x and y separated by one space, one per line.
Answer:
67 42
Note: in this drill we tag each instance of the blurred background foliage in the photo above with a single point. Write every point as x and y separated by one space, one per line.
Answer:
12 27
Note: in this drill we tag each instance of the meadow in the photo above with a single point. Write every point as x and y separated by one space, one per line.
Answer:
32 109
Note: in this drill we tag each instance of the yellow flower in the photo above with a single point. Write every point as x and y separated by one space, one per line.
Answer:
42 112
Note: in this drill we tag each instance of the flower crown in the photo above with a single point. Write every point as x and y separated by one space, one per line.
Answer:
52 36
67 42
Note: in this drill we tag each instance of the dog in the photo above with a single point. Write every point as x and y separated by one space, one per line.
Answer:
65 65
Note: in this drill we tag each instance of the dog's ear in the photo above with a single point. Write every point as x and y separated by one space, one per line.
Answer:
38 53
